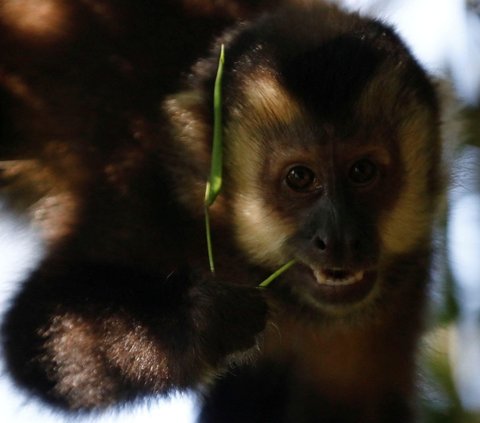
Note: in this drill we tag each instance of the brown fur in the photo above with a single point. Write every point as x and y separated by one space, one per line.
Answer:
115 120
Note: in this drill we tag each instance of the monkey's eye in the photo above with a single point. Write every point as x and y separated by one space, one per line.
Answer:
301 179
363 172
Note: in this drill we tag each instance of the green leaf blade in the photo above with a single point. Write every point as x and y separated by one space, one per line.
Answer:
276 274
214 183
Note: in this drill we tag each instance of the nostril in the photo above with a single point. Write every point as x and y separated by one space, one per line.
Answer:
356 245
320 244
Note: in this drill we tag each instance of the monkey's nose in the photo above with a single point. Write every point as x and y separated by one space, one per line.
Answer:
337 250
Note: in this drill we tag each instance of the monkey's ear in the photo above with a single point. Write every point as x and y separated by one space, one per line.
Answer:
190 126
188 149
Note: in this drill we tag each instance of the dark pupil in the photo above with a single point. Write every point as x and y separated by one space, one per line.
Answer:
300 178
363 172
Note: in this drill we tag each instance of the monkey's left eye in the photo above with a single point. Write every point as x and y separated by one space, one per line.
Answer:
302 179
363 172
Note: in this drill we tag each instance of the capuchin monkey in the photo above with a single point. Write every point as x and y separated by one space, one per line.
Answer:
331 158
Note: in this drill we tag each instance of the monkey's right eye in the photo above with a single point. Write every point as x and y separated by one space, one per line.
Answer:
301 179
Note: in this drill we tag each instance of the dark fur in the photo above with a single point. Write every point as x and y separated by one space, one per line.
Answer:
85 104
124 305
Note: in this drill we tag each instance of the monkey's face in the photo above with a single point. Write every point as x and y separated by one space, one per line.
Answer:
331 154
340 179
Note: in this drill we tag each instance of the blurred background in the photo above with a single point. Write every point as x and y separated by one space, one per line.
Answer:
445 37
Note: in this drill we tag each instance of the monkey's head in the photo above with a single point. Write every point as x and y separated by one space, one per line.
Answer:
331 152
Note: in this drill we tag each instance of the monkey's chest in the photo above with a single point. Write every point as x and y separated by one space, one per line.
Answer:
340 366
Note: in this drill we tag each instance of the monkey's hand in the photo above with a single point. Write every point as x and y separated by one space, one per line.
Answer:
228 317
88 335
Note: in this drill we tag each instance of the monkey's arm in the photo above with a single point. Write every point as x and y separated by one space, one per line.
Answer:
88 335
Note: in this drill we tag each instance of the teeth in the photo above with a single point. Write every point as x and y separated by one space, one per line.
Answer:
350 278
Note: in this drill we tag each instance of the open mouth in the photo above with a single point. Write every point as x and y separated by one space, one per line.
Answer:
343 286
337 277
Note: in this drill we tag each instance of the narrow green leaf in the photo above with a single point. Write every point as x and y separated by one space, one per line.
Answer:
276 274
214 183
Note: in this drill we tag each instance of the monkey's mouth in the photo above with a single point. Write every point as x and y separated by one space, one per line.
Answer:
343 286
337 277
